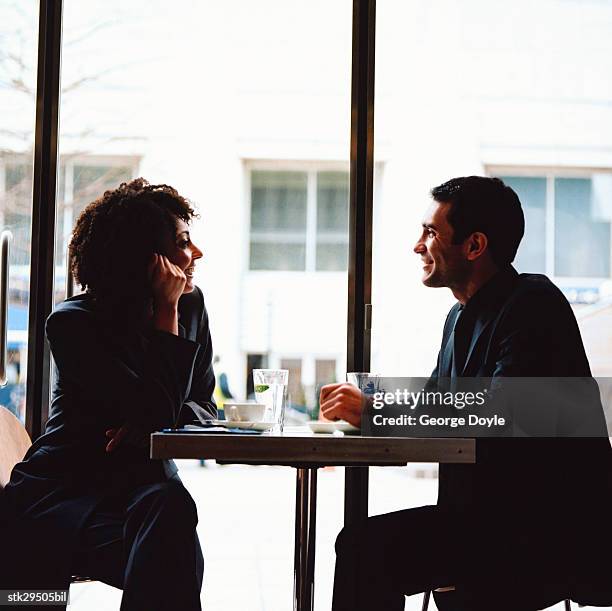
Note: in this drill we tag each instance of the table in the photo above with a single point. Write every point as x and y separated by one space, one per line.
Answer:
307 452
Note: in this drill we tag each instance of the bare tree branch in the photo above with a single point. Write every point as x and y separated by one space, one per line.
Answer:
92 30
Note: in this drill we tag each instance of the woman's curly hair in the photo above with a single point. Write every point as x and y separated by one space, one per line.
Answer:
116 235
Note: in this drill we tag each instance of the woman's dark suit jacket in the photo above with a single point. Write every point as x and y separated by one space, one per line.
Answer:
109 372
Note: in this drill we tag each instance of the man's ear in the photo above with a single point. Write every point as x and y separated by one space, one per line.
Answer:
476 245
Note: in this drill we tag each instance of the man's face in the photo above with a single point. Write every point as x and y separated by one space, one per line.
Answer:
444 263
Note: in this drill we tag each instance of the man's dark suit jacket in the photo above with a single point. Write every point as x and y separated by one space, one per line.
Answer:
538 497
110 371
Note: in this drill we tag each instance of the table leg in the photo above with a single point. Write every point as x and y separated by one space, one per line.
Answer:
305 532
356 481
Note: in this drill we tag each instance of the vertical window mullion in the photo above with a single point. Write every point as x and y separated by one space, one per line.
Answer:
2 189
68 212
359 294
43 213
311 222
550 225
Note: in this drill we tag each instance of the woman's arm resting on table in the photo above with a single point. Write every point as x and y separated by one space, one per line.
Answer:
150 397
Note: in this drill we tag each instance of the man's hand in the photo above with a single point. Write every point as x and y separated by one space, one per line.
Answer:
341 402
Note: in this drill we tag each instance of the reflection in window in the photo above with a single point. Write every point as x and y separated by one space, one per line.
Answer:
302 216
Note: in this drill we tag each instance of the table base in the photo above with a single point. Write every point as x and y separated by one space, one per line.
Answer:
305 535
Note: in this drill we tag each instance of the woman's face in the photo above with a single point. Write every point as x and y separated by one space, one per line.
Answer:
184 253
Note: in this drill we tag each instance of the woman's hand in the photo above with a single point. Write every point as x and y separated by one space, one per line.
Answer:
167 283
135 437
116 436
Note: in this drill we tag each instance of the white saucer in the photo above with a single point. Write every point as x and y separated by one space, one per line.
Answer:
332 427
246 425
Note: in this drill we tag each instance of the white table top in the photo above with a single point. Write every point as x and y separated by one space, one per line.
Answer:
297 446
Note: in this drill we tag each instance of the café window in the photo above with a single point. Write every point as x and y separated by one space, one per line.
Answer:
567 223
299 220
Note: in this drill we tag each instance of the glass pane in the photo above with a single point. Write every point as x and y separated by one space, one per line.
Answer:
278 201
265 256
278 213
232 104
531 255
332 257
332 202
296 391
18 41
79 184
461 92
332 221
582 236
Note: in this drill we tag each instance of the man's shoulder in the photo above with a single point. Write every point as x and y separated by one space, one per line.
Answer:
537 283
535 296
537 287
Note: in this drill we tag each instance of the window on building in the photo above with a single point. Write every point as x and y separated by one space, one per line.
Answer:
304 215
568 224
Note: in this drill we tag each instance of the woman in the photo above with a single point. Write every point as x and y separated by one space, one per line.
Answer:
133 355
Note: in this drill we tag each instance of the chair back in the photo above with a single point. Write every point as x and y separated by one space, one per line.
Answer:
14 443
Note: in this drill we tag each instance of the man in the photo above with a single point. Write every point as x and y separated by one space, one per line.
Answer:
505 531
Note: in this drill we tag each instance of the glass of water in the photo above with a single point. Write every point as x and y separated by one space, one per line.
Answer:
271 390
367 383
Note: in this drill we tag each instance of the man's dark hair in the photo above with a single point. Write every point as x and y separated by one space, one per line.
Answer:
486 205
115 237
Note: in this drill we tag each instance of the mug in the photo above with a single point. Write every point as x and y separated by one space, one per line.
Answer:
244 412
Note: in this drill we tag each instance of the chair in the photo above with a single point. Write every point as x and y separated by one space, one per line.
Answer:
14 443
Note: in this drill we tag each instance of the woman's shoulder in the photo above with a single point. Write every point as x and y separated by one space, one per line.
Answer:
192 302
72 310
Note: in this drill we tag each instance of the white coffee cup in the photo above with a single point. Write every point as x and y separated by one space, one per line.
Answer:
244 412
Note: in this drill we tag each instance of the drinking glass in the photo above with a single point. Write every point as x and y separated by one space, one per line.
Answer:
367 383
271 389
